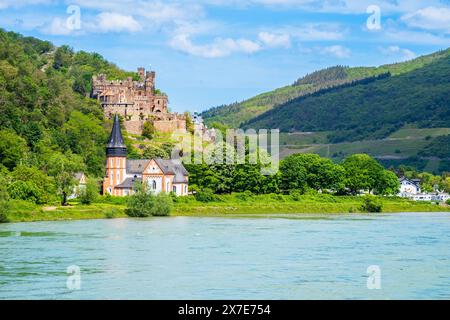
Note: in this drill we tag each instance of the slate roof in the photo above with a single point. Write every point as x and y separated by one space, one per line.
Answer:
128 183
116 146
168 167
137 166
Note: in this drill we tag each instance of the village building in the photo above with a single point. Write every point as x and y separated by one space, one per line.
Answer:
136 101
409 187
158 175
81 181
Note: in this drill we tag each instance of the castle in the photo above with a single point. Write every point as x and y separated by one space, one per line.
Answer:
137 102
157 174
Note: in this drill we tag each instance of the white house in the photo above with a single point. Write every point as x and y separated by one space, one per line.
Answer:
409 187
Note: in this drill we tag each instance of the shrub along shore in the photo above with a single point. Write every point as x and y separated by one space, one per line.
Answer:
239 204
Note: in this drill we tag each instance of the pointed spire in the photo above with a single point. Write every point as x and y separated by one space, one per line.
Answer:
116 147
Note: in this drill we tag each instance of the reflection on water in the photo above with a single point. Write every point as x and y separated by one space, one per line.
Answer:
293 257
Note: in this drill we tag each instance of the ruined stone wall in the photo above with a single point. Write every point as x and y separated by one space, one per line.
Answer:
136 102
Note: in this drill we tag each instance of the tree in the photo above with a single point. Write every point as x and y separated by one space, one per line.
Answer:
148 130
153 152
189 123
89 193
4 196
361 172
387 183
143 203
63 168
320 173
30 183
63 57
13 149
293 174
85 136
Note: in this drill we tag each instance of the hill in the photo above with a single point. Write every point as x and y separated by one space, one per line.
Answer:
44 109
369 109
235 114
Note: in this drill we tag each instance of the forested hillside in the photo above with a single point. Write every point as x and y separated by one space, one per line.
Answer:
235 114
369 109
46 120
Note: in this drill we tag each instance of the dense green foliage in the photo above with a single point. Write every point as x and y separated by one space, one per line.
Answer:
298 173
143 203
439 147
369 109
371 204
49 129
235 114
89 193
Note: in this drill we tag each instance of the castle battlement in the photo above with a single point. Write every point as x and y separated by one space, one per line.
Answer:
136 101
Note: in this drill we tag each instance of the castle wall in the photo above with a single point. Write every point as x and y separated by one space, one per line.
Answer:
136 102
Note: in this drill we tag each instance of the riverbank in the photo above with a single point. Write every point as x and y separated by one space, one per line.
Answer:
225 205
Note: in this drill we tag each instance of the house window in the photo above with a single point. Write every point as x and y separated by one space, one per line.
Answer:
174 189
154 185
185 189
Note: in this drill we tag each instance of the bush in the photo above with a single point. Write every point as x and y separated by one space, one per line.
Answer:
89 193
371 204
145 204
295 195
277 197
4 207
111 214
245 196
448 202
206 195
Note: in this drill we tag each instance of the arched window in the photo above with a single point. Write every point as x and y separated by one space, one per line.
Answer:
154 185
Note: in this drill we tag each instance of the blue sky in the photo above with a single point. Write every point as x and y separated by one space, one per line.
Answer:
213 52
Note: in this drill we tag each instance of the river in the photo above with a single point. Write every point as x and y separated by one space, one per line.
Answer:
273 257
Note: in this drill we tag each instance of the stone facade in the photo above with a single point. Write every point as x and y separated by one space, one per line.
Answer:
136 102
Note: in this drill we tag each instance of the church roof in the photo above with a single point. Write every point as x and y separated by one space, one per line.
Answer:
136 166
128 183
171 167
116 146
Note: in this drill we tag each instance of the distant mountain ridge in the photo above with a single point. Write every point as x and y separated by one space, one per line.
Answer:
236 114
369 110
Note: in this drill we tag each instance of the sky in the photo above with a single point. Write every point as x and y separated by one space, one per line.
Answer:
212 52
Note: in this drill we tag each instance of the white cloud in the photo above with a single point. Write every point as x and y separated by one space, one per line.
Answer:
401 54
430 18
21 3
275 40
57 27
337 51
316 32
116 22
414 37
218 48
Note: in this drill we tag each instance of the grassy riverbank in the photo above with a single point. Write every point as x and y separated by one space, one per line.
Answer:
236 204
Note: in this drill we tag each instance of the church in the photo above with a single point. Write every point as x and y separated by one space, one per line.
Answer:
158 175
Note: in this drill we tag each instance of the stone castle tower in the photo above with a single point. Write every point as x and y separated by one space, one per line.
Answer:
136 101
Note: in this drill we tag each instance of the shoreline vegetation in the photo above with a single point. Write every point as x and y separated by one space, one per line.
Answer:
224 205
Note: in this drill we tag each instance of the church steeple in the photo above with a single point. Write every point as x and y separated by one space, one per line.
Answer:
116 147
